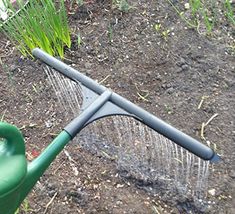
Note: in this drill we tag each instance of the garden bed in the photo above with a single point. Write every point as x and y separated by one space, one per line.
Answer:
179 74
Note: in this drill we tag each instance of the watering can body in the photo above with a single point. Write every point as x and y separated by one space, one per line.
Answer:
13 167
17 176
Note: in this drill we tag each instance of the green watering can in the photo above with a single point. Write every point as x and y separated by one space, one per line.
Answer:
17 176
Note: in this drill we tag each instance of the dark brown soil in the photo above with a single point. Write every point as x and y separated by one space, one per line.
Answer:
126 53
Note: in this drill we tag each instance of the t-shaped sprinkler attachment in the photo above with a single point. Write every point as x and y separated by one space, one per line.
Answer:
123 106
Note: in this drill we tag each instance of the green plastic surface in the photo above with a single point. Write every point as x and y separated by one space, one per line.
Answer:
13 166
17 178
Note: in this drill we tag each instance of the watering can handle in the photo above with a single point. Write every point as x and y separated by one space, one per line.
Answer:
13 138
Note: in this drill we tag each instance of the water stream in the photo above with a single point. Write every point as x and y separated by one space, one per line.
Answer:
152 161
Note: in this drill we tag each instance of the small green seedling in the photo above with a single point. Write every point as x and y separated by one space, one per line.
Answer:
80 2
165 34
24 207
157 27
168 109
122 5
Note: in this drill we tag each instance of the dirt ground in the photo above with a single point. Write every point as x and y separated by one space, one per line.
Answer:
168 76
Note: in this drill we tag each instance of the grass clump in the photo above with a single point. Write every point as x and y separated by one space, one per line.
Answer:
41 23
205 13
229 12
